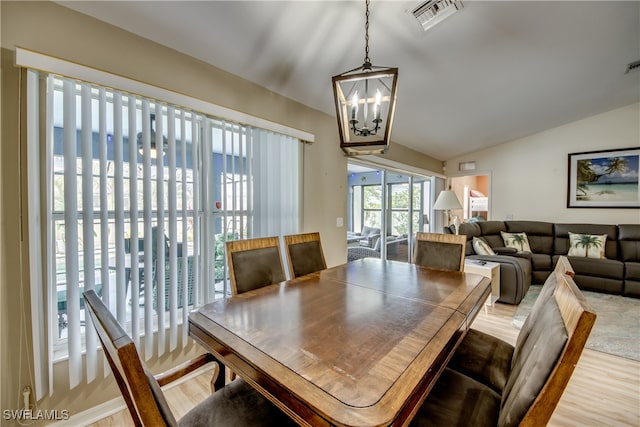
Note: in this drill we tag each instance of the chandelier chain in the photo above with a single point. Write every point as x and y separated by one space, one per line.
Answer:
366 34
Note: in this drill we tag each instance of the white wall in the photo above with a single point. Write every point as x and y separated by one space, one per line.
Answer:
529 175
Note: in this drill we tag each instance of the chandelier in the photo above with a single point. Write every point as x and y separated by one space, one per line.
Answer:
365 100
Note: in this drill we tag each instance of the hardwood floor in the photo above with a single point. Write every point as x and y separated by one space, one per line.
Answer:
604 389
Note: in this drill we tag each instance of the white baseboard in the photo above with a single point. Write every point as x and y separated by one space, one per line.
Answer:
94 414
112 406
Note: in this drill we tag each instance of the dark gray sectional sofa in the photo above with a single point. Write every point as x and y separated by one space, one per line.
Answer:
618 274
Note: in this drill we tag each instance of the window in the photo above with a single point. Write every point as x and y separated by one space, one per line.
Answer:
372 205
138 195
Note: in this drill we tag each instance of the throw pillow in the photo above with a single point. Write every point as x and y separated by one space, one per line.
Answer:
481 247
587 245
518 241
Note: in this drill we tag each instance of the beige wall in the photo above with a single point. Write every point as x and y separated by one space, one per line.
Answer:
529 176
54 30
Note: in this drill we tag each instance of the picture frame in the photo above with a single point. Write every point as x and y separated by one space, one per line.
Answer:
604 179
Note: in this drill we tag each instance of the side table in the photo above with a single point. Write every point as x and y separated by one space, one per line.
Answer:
486 269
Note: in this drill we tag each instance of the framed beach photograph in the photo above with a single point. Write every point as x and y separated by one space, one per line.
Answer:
604 179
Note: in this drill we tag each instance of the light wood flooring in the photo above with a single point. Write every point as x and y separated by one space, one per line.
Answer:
604 389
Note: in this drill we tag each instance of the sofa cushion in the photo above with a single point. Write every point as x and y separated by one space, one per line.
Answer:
539 234
541 262
607 268
490 231
471 230
561 240
629 239
599 284
457 400
369 231
518 241
484 358
632 271
632 279
587 245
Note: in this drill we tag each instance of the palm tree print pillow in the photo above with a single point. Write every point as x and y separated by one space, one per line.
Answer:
480 247
517 241
587 245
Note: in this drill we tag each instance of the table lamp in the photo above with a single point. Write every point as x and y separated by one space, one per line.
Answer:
446 201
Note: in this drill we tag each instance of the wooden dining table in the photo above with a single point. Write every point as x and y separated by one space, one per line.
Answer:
360 344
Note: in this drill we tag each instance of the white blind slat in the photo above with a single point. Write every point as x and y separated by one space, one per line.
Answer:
118 186
173 232
195 150
87 221
134 267
104 208
184 217
160 231
52 307
71 234
208 226
36 274
147 212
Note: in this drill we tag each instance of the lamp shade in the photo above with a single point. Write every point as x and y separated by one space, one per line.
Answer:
447 200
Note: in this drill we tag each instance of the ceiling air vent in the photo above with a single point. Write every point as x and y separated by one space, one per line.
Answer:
632 66
432 12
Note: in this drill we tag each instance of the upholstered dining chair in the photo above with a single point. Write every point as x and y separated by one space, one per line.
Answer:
304 254
254 263
487 358
538 374
236 404
440 251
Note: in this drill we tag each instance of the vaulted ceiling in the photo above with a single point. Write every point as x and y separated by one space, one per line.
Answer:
491 73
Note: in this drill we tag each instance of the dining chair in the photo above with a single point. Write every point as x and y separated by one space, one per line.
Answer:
440 251
538 376
236 404
254 263
304 254
564 266
487 358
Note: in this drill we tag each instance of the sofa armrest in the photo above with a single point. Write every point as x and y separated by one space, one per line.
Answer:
515 275
523 255
505 251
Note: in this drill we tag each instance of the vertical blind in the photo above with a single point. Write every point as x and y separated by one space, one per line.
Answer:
140 197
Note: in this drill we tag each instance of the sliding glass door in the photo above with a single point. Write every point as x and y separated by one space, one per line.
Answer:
386 208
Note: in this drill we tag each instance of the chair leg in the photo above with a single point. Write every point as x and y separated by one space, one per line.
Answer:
214 376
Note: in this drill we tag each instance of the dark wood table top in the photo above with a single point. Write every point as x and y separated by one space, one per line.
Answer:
356 345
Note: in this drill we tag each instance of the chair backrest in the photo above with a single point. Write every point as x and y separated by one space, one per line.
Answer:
441 251
304 254
563 267
543 367
254 263
142 393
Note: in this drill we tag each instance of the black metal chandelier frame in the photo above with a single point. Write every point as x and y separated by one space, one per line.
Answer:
372 136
